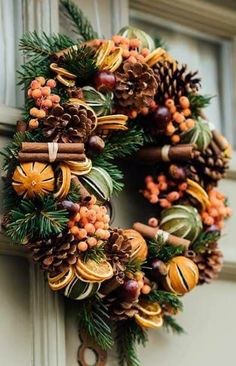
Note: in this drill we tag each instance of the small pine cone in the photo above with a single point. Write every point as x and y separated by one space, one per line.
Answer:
69 123
174 81
209 263
118 250
135 86
56 254
75 92
121 310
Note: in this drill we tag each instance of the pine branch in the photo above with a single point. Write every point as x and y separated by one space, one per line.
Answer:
96 253
82 63
164 252
204 239
37 218
81 24
166 298
30 70
171 324
40 47
134 265
74 193
198 102
128 334
93 318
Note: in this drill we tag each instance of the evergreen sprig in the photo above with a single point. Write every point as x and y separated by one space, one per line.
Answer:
40 47
164 252
198 102
114 172
134 265
93 318
165 297
81 24
37 218
204 239
171 324
82 63
74 193
96 253
128 335
31 69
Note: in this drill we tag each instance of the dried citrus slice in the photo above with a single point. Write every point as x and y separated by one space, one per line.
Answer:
149 322
149 308
61 281
154 56
84 276
66 181
80 168
103 51
100 270
80 290
113 60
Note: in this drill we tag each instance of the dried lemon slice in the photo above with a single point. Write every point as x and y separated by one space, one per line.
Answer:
66 181
103 51
80 168
149 322
113 61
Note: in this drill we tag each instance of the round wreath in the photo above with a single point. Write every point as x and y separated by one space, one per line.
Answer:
89 104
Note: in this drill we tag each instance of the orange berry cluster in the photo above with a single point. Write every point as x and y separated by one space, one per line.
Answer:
163 191
40 90
130 48
180 121
90 225
217 212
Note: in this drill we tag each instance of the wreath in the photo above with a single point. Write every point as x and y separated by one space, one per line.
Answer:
90 104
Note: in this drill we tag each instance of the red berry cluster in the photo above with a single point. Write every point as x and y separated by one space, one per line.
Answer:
41 91
163 190
90 225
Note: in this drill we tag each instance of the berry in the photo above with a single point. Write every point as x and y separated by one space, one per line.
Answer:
104 81
34 112
41 80
35 84
41 113
82 246
46 91
92 241
160 118
51 83
33 123
55 98
184 102
47 103
153 222
130 290
146 289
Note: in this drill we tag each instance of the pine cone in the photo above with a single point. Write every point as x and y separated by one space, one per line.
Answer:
121 310
75 92
174 81
56 254
69 123
118 250
209 263
135 86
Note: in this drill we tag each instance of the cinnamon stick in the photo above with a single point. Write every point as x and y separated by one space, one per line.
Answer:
111 285
180 152
44 157
42 147
85 195
153 233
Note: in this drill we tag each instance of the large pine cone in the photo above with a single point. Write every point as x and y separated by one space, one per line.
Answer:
135 86
174 81
118 250
56 254
209 263
120 310
69 123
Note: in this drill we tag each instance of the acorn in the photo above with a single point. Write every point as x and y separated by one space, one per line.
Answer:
96 144
177 172
130 291
159 119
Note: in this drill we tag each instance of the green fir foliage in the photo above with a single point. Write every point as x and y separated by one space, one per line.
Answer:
204 239
96 253
171 325
82 63
93 318
128 336
164 252
166 298
198 102
81 24
34 219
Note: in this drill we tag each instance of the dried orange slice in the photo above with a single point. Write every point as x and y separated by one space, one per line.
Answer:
149 308
66 181
149 322
92 269
80 168
113 60
60 281
103 51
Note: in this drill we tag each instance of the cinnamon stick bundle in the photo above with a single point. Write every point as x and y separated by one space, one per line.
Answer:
85 195
42 147
181 152
153 233
44 157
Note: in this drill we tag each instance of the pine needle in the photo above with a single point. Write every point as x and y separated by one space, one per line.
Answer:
128 335
164 252
171 324
81 24
93 318
167 298
204 239
96 253
198 102
34 219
